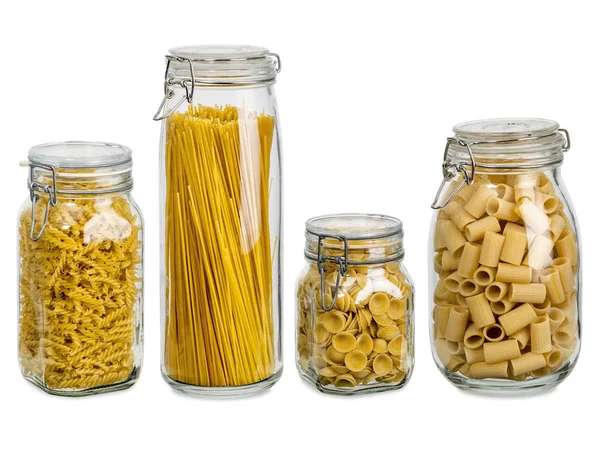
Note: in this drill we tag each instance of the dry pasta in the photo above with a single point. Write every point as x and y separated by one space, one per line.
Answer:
219 310
365 339
79 285
514 269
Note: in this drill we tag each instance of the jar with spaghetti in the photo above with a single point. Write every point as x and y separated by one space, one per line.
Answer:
505 272
80 270
221 220
354 323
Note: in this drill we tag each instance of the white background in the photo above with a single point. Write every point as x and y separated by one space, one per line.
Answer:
367 96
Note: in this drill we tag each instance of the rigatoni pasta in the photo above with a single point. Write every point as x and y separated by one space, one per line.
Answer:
514 270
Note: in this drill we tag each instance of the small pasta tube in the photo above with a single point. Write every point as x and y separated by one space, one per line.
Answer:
542 308
514 227
476 204
438 238
496 291
553 358
457 324
556 317
546 187
451 362
494 333
468 288
469 260
502 307
480 310
501 351
514 247
465 369
452 281
456 348
474 355
557 226
491 249
541 341
476 230
437 262
522 337
485 370
566 247
466 192
527 293
461 300
554 288
549 203
565 270
457 214
441 314
501 209
510 273
453 237
484 276
540 253
517 318
532 216
528 362
449 262
505 192
473 337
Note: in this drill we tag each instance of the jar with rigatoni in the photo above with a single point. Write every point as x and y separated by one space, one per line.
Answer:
505 266
354 306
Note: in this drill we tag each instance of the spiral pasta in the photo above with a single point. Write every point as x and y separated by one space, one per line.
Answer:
79 285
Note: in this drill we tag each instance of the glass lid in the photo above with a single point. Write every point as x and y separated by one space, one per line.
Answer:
505 129
218 52
355 226
80 154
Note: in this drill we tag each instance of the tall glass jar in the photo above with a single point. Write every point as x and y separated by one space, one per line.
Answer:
357 337
505 271
80 270
220 203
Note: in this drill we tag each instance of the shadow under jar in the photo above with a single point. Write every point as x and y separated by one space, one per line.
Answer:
505 267
80 270
220 182
354 306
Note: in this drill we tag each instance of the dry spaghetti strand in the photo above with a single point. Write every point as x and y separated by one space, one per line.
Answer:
219 325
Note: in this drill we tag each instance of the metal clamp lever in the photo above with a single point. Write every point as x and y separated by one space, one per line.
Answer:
34 196
341 261
450 170
169 93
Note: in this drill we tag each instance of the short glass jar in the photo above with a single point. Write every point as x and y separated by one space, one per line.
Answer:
80 270
358 337
505 271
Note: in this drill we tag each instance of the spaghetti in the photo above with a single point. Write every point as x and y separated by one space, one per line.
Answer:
219 314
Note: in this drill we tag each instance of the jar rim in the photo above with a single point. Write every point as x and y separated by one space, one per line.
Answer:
355 226
80 155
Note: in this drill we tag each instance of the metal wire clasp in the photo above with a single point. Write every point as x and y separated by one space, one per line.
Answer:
341 261
450 170
34 196
169 93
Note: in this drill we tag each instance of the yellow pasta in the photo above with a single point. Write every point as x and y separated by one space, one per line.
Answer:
540 253
457 324
501 351
496 291
481 313
468 288
474 355
469 260
517 318
219 328
557 226
476 204
509 273
501 209
505 192
522 337
556 318
79 285
565 270
476 230
491 249
527 293
484 276
452 236
541 341
457 214
450 262
493 333
527 362
502 306
535 219
554 288
566 247
515 244
473 337
486 370
452 281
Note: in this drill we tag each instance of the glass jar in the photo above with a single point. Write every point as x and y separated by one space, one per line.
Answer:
505 270
221 220
80 270
358 336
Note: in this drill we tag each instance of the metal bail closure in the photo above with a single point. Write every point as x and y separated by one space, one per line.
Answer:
341 261
33 195
567 145
450 170
162 113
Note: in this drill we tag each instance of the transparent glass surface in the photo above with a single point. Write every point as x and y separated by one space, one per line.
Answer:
221 240
505 277
363 340
80 288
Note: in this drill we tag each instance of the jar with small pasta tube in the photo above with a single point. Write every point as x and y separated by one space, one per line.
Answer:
354 297
220 221
80 270
505 266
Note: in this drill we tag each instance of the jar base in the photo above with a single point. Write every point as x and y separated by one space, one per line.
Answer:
332 390
230 391
500 387
133 377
